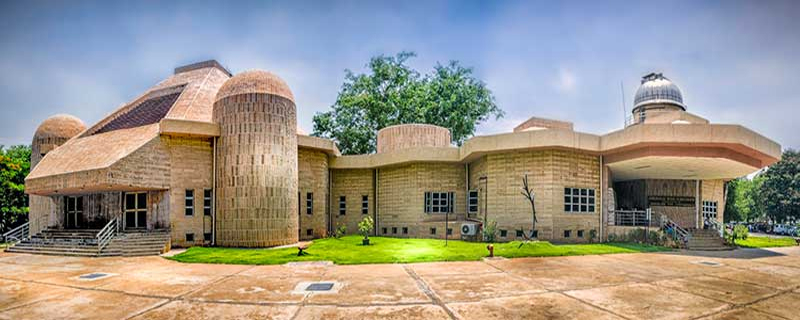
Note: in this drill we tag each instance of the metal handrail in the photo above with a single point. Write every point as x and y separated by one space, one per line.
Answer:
634 218
716 225
19 233
676 231
106 234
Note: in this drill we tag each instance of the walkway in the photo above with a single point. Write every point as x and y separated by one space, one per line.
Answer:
745 284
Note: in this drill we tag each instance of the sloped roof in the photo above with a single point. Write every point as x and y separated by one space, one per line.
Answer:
97 151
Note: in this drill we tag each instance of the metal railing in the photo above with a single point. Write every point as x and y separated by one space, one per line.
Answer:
106 234
716 225
674 230
18 234
634 218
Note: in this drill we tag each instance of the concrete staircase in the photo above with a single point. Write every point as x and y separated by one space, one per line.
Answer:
60 242
706 240
144 243
84 243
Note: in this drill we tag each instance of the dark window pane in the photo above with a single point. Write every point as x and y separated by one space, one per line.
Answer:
79 203
591 192
583 192
130 201
141 201
567 208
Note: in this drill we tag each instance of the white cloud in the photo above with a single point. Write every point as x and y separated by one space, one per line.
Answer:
566 81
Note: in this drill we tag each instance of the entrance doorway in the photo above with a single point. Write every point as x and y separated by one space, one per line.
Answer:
74 212
136 210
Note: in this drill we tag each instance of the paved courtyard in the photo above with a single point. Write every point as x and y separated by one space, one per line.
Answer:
744 284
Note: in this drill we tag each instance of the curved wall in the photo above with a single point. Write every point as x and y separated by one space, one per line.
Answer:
406 136
256 167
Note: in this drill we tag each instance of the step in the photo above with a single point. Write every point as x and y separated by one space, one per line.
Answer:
53 253
63 249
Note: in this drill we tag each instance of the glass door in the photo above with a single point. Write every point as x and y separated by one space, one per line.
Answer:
136 210
74 212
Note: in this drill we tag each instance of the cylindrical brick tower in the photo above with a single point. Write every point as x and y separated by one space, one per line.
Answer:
53 132
256 178
412 135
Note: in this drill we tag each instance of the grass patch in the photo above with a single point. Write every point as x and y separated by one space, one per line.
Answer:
766 242
348 250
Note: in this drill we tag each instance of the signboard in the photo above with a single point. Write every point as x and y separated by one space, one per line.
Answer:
670 201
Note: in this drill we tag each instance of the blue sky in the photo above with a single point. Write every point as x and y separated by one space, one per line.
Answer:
736 62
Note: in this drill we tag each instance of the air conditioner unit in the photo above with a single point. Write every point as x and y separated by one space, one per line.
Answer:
469 229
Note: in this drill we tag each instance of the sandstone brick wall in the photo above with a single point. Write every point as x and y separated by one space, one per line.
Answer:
256 169
405 136
312 172
401 192
684 216
549 172
353 184
714 190
191 168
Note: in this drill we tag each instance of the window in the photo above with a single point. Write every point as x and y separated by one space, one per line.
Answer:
567 233
189 202
433 230
135 209
385 231
190 237
74 211
364 204
519 233
579 200
472 199
394 230
405 230
342 205
310 203
580 233
207 236
309 232
449 231
207 202
535 234
439 202
503 233
710 209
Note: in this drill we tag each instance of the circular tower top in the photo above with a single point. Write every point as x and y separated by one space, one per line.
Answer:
60 126
404 136
255 81
657 89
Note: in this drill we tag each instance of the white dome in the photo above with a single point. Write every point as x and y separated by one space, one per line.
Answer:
657 89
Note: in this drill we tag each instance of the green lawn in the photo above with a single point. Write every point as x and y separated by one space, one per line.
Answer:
765 242
348 250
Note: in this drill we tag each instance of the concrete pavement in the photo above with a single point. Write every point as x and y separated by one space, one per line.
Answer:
743 284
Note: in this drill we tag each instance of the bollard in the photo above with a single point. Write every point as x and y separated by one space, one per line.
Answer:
490 247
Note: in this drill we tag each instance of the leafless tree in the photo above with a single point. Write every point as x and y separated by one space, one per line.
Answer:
527 191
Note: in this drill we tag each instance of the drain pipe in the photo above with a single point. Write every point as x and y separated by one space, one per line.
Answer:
602 194
375 196
213 192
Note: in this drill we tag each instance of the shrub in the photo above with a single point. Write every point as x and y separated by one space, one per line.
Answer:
340 231
740 232
490 231
592 235
365 226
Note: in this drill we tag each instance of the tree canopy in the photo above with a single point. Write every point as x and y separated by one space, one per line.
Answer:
14 167
781 188
393 93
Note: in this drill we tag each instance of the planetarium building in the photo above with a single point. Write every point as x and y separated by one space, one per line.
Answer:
206 157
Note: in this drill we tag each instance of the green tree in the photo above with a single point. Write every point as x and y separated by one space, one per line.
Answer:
732 211
394 93
14 167
781 188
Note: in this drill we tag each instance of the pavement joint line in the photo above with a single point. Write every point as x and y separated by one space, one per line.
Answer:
182 295
748 304
427 291
593 305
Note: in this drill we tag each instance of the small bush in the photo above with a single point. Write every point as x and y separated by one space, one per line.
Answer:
490 231
365 226
740 232
340 231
